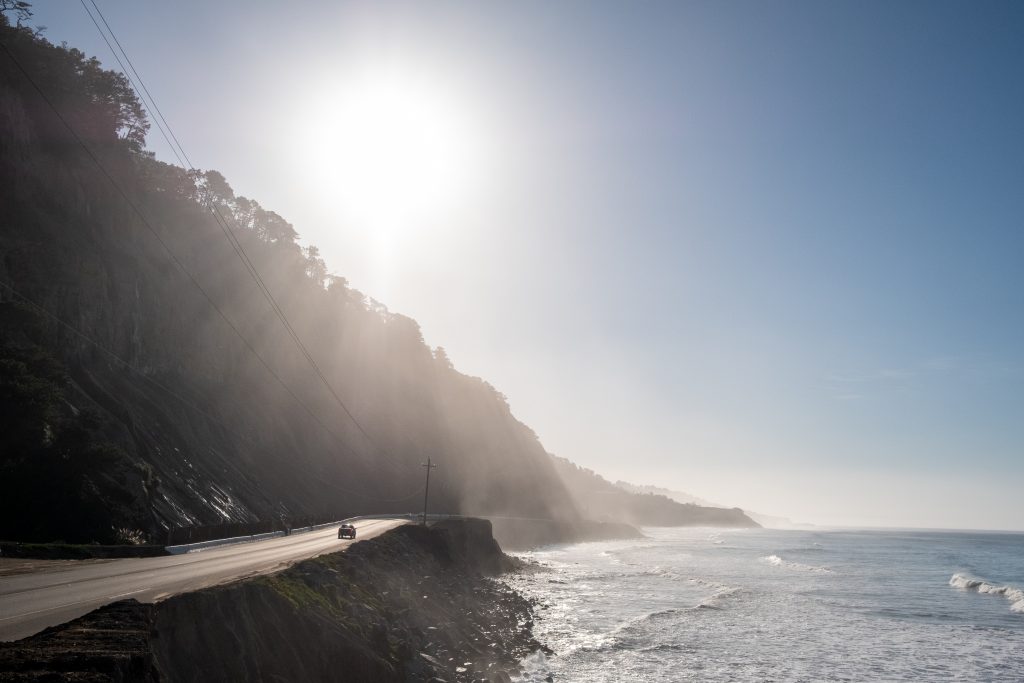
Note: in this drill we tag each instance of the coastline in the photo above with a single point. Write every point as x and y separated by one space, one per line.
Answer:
416 603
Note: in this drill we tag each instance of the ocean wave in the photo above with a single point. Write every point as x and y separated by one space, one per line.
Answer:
534 667
1012 593
721 591
777 561
714 601
626 635
665 573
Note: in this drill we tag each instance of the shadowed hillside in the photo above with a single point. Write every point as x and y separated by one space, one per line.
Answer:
602 500
147 382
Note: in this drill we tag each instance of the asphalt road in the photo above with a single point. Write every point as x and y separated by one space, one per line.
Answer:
62 591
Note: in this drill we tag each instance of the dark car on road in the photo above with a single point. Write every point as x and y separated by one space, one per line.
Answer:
346 531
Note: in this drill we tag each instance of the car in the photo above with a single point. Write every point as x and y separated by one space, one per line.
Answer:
346 531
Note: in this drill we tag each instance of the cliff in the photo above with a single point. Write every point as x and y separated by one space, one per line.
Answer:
147 378
604 501
132 405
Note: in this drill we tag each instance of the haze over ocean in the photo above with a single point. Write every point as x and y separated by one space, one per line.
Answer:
766 253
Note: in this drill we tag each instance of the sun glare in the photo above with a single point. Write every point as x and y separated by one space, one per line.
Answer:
392 150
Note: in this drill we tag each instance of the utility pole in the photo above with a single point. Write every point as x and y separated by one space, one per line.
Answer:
426 491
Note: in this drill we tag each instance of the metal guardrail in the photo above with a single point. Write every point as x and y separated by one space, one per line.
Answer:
252 538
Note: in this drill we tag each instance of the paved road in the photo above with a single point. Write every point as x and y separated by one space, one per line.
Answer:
31 602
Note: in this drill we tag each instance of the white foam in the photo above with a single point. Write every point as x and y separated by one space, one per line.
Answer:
534 667
1012 593
664 572
777 561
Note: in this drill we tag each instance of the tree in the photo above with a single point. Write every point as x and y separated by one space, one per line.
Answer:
212 189
244 211
111 93
316 269
441 356
270 227
22 11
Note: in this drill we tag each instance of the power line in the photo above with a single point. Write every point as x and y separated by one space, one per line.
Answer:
138 77
125 71
222 222
162 243
171 392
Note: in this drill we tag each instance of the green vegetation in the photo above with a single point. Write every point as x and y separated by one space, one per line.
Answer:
297 591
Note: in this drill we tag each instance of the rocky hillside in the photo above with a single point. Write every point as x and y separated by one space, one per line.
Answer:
146 377
601 500
147 381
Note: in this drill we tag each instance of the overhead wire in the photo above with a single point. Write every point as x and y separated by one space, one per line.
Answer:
222 222
169 391
145 221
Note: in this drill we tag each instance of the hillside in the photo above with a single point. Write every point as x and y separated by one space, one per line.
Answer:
678 496
147 382
602 500
769 521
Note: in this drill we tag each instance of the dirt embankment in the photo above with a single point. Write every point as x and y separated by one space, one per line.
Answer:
412 605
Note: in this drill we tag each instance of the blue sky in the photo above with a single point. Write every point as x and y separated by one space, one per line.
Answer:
766 252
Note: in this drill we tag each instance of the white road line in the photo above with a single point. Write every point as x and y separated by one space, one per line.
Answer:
71 604
163 577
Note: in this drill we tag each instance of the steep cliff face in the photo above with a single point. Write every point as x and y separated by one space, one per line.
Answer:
100 280
410 605
147 380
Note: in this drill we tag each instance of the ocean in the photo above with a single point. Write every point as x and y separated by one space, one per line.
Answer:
689 604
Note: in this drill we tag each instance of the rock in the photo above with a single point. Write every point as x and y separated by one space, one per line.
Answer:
433 661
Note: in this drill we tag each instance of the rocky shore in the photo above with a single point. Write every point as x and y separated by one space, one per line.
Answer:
415 604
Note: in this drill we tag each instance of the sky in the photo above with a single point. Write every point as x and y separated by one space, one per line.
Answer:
768 253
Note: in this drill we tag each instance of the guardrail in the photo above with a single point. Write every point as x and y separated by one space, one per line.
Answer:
252 538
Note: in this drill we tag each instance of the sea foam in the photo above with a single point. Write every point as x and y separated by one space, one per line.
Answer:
1012 593
777 561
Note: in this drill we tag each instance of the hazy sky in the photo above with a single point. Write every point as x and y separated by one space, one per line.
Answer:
770 253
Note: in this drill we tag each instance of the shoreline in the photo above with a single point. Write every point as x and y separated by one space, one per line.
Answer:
412 604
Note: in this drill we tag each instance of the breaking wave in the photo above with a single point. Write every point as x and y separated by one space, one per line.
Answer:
1012 593
721 591
628 634
777 561
664 573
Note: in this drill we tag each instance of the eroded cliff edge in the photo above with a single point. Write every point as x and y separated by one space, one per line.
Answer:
414 604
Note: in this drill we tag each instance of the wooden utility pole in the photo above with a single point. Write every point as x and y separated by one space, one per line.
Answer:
426 490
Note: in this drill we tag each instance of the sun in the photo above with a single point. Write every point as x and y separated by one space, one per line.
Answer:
391 148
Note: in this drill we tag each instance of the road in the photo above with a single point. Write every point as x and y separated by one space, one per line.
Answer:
31 602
